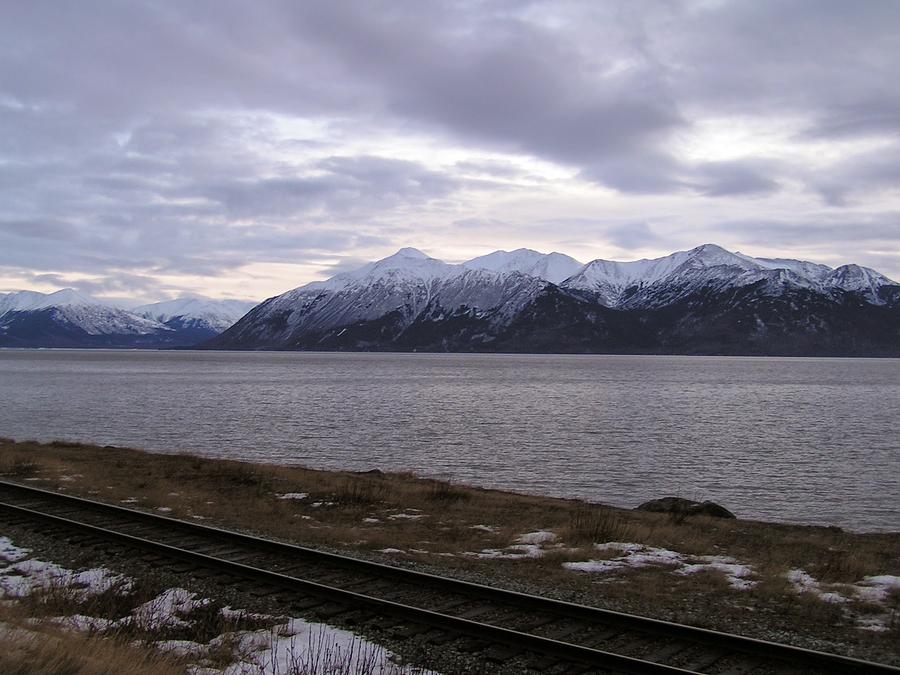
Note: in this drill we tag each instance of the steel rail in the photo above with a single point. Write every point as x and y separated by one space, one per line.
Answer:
759 649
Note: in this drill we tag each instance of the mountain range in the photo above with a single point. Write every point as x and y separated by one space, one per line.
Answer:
67 318
703 301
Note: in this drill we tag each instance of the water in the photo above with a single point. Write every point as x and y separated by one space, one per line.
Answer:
800 440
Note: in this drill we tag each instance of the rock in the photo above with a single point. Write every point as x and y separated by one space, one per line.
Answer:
685 507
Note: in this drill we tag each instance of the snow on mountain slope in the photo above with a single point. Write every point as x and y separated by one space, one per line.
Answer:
616 282
406 266
18 301
807 270
862 280
217 315
407 283
554 267
654 283
80 311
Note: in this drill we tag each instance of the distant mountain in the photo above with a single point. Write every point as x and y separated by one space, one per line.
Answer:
67 318
706 300
403 299
554 267
201 318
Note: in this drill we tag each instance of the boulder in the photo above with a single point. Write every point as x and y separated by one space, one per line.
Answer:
685 507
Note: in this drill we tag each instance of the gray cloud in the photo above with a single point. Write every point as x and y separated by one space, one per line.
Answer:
154 146
858 174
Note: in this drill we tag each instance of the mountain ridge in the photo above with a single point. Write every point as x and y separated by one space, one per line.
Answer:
705 300
67 318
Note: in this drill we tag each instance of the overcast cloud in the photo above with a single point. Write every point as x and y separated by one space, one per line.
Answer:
151 148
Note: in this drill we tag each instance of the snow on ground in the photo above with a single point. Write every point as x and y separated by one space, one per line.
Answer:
406 516
528 545
166 610
313 648
735 573
484 528
539 537
295 645
25 577
9 552
292 495
639 555
872 590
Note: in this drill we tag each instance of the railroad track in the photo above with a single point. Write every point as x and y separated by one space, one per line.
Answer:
494 624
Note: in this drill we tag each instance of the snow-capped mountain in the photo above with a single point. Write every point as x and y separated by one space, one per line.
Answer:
398 291
705 300
68 318
662 281
74 311
196 312
553 267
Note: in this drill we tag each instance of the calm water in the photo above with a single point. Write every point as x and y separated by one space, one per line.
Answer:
802 440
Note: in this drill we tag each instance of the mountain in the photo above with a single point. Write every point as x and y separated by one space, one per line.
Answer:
706 301
405 299
709 268
201 318
554 267
67 318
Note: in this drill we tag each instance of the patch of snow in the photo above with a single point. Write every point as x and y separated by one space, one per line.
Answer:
9 552
484 528
877 588
406 516
371 520
181 647
25 577
872 590
595 566
164 509
539 537
639 555
390 550
311 648
804 583
163 611
735 573
82 623
292 495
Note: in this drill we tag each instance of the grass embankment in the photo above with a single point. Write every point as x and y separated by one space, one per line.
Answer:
478 533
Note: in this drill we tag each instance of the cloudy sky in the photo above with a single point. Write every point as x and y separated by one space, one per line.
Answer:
238 149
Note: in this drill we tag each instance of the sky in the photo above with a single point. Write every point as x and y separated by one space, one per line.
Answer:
150 149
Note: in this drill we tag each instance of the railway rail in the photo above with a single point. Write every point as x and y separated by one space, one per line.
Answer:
495 624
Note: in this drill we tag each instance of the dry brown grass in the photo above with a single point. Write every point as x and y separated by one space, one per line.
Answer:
42 648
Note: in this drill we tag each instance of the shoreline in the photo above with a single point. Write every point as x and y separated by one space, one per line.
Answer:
197 350
441 477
